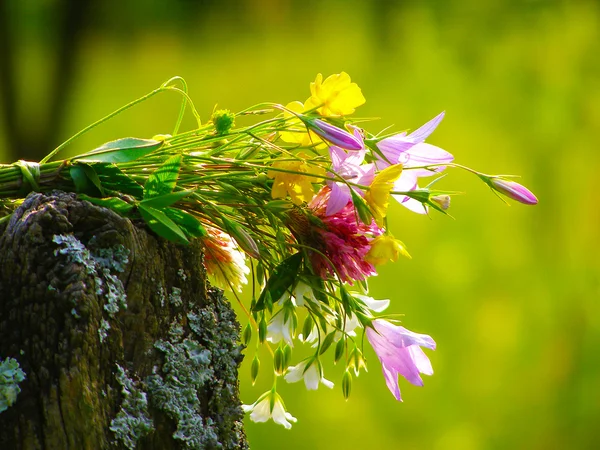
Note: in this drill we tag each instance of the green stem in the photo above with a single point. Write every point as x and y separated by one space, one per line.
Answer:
183 102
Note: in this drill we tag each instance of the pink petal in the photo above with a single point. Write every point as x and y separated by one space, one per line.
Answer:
421 360
425 154
340 196
337 156
411 204
421 133
402 337
391 380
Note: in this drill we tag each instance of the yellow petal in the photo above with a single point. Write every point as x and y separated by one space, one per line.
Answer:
299 136
336 96
385 248
379 192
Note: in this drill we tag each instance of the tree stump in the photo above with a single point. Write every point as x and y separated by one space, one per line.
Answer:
122 342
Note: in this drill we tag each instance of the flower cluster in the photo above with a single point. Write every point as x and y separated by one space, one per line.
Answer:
296 203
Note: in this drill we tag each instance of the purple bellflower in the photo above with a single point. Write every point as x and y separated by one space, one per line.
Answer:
410 151
513 190
333 134
349 166
399 351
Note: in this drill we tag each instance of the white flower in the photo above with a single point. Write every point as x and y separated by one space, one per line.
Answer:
312 337
303 290
371 303
312 372
270 406
280 329
300 291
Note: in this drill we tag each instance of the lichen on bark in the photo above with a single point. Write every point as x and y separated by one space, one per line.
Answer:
172 337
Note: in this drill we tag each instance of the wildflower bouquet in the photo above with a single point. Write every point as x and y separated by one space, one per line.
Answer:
296 202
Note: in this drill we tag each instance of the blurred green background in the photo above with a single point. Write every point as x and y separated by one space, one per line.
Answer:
510 294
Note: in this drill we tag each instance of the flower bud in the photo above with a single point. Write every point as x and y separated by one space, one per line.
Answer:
287 356
278 361
346 384
247 334
224 120
254 369
241 236
333 134
262 329
307 327
513 190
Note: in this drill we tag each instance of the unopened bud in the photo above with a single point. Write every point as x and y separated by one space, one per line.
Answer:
241 236
287 356
262 329
307 327
278 361
254 369
247 334
224 120
513 190
346 384
333 134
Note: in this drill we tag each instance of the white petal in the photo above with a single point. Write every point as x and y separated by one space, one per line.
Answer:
281 417
295 373
278 329
303 290
261 412
372 304
327 383
312 378
351 324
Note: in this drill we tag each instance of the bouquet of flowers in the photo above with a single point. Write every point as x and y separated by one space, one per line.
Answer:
295 203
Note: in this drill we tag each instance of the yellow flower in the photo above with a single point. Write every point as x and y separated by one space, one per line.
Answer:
385 248
298 186
302 136
336 96
378 195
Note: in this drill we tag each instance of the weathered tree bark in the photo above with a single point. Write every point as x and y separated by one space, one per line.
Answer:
122 344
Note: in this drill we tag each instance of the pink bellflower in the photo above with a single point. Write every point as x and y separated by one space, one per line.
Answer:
411 151
349 166
513 190
399 351
333 134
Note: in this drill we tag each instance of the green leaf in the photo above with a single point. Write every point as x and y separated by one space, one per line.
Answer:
162 225
190 225
280 280
115 203
164 179
327 342
361 207
113 178
86 180
162 201
121 150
